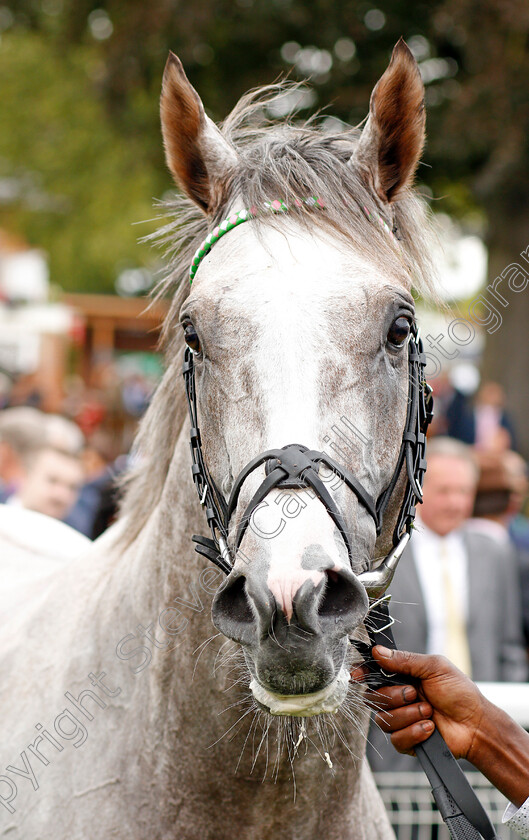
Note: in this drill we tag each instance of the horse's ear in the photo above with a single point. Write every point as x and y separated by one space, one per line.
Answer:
197 154
392 140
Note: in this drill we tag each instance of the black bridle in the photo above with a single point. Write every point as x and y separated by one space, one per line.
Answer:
296 466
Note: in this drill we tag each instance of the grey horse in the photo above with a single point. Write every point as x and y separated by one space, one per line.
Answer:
126 711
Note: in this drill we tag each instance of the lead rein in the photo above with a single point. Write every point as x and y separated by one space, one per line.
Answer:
458 805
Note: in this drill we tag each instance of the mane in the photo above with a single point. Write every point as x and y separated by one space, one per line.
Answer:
284 160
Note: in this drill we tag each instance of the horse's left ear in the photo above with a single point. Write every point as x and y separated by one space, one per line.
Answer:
392 140
197 154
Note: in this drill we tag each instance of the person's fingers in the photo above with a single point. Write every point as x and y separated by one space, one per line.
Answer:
405 740
418 665
401 718
391 696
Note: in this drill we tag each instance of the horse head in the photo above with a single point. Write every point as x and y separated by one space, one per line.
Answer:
298 324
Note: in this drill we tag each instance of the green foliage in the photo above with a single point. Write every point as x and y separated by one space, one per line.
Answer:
80 82
75 184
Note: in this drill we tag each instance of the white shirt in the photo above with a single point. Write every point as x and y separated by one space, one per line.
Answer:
32 546
518 819
429 551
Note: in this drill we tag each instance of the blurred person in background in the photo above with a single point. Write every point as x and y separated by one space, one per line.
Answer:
455 592
26 391
40 460
22 431
91 412
64 434
96 505
136 392
494 430
50 483
443 394
40 456
74 390
5 389
501 494
482 422
498 512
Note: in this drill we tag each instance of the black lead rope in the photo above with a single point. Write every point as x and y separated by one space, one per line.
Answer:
458 805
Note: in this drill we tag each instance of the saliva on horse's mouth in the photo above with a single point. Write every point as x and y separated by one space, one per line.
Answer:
327 700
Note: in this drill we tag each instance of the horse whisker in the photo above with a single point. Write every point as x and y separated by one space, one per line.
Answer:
230 729
256 715
202 648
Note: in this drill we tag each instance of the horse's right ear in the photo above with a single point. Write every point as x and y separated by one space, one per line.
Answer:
391 143
197 154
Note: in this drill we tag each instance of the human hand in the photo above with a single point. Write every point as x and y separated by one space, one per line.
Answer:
442 697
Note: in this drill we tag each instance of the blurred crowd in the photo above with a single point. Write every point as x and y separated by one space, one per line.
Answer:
67 465
49 466
500 508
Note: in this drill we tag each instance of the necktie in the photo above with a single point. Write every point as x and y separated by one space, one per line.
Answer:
456 639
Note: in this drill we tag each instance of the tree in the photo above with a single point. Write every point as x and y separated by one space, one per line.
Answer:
483 142
72 184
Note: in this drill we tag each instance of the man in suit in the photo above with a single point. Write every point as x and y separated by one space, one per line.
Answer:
455 591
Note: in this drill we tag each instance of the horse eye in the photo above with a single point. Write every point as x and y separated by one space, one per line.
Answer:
399 331
191 338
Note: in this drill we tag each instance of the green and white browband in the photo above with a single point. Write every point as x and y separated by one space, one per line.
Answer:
275 206
237 219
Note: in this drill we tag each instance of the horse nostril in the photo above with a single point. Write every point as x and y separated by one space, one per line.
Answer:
232 613
340 601
239 603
